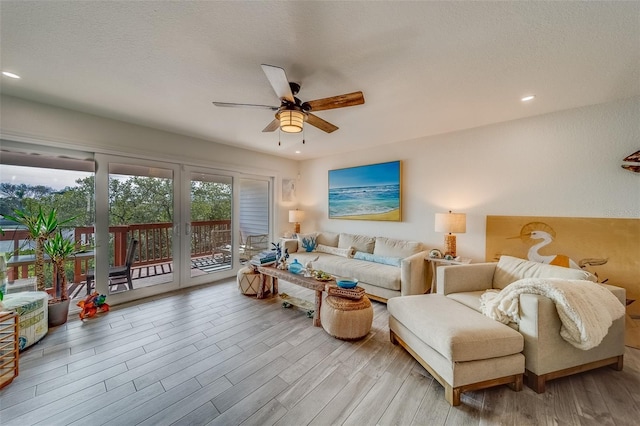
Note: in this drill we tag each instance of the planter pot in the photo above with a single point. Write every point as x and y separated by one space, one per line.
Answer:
58 313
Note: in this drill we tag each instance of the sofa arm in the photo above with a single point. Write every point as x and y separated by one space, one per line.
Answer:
461 278
413 274
547 352
618 292
289 243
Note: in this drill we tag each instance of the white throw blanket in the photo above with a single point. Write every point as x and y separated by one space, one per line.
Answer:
586 309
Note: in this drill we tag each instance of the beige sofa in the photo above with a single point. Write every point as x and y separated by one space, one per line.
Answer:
547 354
381 281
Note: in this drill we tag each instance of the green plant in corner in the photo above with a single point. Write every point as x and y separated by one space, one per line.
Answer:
40 226
60 249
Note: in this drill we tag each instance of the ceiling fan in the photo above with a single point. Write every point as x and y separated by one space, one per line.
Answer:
292 112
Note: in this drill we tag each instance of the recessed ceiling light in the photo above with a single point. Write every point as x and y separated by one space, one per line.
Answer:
528 98
10 74
297 152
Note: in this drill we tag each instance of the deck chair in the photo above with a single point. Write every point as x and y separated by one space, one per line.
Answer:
118 274
221 242
254 245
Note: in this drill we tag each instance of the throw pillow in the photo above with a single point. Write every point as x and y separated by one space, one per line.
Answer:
306 242
328 239
384 260
358 242
344 252
396 248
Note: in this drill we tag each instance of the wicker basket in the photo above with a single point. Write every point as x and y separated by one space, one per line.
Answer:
355 293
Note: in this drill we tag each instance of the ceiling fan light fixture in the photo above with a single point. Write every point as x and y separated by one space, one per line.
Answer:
291 121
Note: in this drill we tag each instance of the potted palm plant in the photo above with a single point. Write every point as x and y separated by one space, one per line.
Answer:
60 249
40 225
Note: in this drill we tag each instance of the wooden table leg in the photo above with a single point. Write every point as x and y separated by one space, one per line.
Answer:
274 286
316 315
263 284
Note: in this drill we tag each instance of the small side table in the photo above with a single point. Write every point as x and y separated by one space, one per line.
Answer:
435 262
9 352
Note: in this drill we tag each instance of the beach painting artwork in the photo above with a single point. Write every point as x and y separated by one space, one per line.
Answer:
371 192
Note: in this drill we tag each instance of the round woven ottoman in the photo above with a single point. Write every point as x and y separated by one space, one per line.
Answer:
32 308
249 281
346 319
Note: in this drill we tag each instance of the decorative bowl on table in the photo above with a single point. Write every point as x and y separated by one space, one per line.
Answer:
322 276
347 282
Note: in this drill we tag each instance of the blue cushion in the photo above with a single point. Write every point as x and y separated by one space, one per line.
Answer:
385 260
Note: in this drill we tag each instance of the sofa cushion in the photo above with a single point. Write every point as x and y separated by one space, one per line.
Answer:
510 269
470 299
306 242
385 260
455 331
396 248
358 242
344 252
328 239
383 276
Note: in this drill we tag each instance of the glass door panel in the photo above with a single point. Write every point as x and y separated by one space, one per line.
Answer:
52 178
211 233
141 216
254 217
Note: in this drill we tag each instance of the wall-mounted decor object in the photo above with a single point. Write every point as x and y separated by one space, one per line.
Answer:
606 247
632 162
288 190
371 192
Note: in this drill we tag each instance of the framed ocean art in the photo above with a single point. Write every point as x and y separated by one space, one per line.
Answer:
371 192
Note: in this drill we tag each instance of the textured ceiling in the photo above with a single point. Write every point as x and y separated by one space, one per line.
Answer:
424 67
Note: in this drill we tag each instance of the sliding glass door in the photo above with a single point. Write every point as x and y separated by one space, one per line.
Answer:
141 224
210 247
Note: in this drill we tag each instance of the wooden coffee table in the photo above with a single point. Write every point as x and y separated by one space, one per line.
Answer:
306 282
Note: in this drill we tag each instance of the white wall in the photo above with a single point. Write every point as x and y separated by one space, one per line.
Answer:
24 120
560 164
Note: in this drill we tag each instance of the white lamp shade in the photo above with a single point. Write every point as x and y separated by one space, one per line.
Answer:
291 121
296 216
455 223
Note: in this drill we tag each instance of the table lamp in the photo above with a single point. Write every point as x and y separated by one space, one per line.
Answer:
296 216
451 223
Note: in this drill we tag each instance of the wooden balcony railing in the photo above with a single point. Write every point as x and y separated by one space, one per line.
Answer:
155 244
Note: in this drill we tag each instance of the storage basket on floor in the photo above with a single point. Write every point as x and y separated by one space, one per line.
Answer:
249 281
32 308
346 319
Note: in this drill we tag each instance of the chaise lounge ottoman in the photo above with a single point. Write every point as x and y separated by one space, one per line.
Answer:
461 348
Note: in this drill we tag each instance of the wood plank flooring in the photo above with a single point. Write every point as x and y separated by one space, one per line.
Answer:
211 356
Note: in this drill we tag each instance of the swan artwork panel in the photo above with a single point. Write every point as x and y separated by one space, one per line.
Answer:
606 247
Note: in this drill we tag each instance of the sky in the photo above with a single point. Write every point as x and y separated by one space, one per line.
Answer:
54 178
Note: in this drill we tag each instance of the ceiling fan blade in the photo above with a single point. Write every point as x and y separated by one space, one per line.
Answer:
318 122
340 101
273 126
232 105
278 79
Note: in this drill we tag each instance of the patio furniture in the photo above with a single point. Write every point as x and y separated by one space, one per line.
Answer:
221 239
118 274
254 244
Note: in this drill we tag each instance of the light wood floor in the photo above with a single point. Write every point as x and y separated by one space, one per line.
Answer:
212 356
